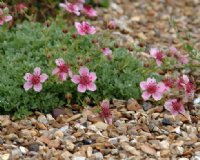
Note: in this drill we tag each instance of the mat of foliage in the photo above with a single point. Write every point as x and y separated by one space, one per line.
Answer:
31 45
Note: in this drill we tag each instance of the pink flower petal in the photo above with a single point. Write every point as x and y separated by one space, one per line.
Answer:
84 71
37 71
8 18
157 96
91 87
62 5
158 62
79 28
70 73
153 52
27 86
185 79
1 21
55 71
109 120
92 76
173 49
168 105
43 77
151 80
76 79
105 104
60 62
174 112
143 85
28 76
63 76
81 88
37 87
146 95
92 30
161 87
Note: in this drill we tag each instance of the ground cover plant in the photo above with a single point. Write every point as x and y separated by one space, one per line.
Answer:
32 45
79 81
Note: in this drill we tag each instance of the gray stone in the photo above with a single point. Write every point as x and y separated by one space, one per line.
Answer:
42 119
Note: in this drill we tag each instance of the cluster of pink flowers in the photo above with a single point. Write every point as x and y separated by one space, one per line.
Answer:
157 90
159 56
4 16
85 81
77 7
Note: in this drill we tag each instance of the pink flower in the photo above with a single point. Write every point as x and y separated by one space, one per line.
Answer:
35 80
174 106
21 7
112 24
158 55
4 17
108 53
84 28
153 89
168 83
184 59
62 69
85 80
182 81
105 111
188 87
79 3
88 10
70 7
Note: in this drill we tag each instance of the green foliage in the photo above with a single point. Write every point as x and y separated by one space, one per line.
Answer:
31 44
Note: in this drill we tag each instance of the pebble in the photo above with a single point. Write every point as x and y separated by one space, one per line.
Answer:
130 149
166 121
42 119
23 149
146 106
113 141
87 141
98 156
64 129
34 147
79 158
59 134
147 149
101 125
1 141
5 156
50 117
66 155
69 145
89 151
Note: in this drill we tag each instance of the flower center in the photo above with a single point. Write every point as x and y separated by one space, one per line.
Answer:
168 82
35 79
71 7
159 56
189 87
105 112
64 68
85 80
86 28
176 106
152 88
